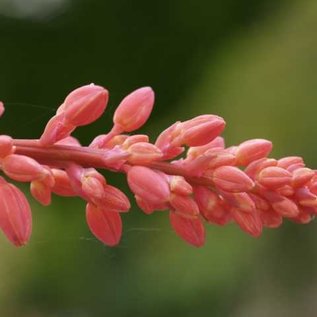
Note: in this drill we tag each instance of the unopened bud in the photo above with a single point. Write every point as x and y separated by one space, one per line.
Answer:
232 179
84 105
134 110
105 225
15 214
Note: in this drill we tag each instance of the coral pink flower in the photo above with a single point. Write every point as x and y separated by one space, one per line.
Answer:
6 145
105 225
232 179
15 214
134 110
148 184
23 168
200 130
84 105
252 150
190 230
209 182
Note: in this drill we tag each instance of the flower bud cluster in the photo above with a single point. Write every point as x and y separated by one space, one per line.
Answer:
188 172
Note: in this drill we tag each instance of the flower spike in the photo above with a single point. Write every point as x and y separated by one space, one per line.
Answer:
188 173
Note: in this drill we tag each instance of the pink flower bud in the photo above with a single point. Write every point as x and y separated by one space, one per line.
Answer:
6 145
303 217
184 205
114 199
62 185
211 206
56 129
147 207
252 150
179 185
294 167
215 145
143 153
133 139
105 225
255 167
248 222
190 230
282 205
221 158
23 168
305 197
240 201
1 108
285 162
232 179
302 176
103 142
270 218
148 184
15 214
286 190
165 141
260 203
92 187
134 110
41 192
274 177
84 105
200 130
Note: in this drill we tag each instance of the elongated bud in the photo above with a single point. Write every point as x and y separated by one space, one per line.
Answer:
302 176
190 230
56 129
282 205
115 199
232 179
62 185
15 214
179 185
134 110
285 162
305 197
270 218
200 130
211 206
255 167
142 153
105 225
240 201
148 184
6 145
274 177
221 158
23 168
133 139
215 145
1 108
248 222
84 105
165 141
41 192
252 150
148 207
184 205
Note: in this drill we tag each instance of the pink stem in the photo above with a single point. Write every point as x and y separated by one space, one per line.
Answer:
60 155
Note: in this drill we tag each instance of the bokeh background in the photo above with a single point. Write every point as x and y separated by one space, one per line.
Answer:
252 62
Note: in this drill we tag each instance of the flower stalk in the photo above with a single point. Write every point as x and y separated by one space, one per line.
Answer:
188 172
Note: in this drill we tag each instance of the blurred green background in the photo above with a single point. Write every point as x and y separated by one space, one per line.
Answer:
252 62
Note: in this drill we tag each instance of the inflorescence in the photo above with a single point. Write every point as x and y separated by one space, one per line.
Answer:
187 171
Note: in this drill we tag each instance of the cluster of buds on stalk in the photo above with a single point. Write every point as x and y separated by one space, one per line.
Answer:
187 172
